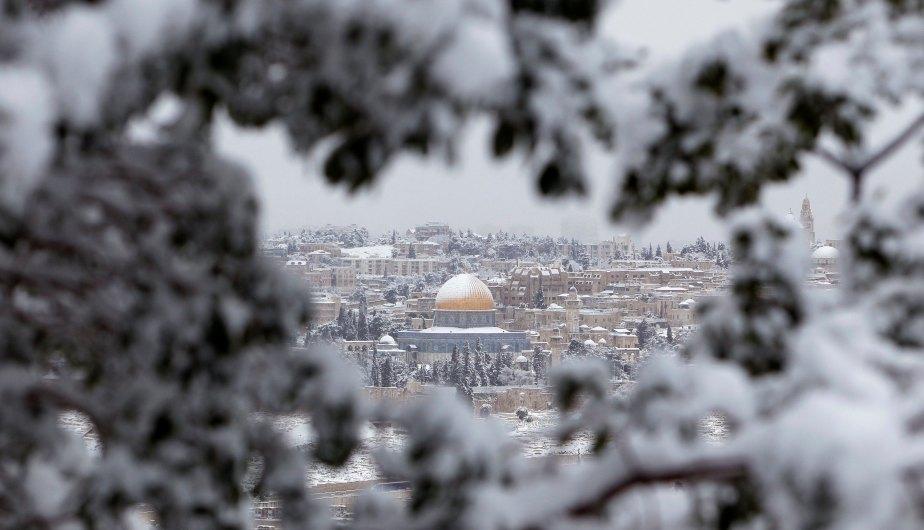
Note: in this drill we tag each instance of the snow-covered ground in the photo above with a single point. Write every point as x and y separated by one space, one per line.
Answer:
534 437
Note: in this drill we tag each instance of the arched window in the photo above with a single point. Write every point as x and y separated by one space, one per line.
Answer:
349 348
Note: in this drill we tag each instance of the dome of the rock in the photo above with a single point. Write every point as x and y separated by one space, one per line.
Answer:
464 292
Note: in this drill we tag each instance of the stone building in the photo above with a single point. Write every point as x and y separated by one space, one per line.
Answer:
525 282
419 248
428 230
341 279
379 266
413 266
344 279
325 308
619 246
331 248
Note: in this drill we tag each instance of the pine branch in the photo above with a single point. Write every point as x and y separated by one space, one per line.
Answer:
709 469
886 150
857 171
60 397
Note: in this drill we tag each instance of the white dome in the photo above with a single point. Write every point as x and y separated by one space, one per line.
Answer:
825 252
689 302
601 341
521 359
387 339
464 292
589 342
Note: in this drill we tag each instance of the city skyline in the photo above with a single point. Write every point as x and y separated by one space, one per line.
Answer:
571 229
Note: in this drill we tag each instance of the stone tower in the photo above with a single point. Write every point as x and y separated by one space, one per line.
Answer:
573 311
808 221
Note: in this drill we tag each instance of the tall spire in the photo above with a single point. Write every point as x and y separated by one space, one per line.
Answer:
807 219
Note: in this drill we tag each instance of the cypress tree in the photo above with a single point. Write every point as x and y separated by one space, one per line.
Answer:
467 364
362 325
538 364
376 380
643 331
341 321
454 367
349 330
539 299
388 372
481 375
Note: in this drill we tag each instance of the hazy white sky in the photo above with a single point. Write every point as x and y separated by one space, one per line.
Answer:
481 194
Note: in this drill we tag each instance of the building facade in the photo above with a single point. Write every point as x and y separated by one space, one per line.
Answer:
525 282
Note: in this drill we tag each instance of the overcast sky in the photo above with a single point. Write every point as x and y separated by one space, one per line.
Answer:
482 194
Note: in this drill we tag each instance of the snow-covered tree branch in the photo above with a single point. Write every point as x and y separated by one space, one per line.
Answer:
132 293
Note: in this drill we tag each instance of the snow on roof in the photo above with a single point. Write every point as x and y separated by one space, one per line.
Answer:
554 307
376 251
446 329
521 359
598 328
589 342
825 252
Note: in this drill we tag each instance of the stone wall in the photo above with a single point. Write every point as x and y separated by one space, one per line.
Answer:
509 399
394 394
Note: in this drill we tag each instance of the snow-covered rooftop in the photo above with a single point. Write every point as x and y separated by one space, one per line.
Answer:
447 329
375 251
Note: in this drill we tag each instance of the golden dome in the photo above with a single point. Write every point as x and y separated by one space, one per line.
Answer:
464 292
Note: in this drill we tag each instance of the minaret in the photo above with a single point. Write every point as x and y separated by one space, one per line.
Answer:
808 220
573 310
